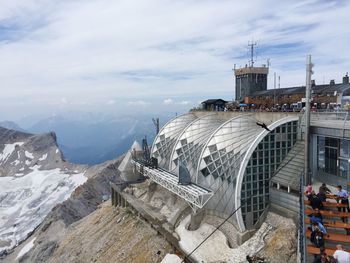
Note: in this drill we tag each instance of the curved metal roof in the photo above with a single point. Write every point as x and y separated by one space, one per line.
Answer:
216 151
221 157
189 144
164 142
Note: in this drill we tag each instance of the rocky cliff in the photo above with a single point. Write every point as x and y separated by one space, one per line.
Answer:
34 177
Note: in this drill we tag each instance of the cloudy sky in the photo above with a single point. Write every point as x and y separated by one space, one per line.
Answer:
158 55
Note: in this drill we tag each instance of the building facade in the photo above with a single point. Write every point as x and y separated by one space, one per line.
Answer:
250 80
231 156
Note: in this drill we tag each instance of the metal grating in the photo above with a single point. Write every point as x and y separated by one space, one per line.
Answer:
195 195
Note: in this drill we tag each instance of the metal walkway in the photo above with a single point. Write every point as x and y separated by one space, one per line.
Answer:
195 195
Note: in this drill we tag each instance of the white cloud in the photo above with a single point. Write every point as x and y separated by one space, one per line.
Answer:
64 101
160 49
184 102
110 102
168 101
138 103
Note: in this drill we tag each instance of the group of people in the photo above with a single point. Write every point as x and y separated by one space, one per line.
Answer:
318 230
339 256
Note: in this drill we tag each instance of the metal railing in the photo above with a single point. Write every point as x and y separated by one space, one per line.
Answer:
336 115
302 229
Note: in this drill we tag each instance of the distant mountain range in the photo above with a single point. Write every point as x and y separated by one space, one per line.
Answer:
94 138
11 126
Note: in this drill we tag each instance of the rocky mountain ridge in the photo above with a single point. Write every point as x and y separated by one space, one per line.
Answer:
34 177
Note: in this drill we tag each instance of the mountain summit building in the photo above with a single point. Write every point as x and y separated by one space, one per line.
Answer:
250 80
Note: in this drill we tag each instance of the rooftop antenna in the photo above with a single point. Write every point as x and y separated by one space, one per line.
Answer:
274 89
156 124
268 63
279 82
251 47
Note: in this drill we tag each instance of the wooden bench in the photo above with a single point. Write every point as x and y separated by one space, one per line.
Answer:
332 237
329 196
315 250
328 204
329 213
332 224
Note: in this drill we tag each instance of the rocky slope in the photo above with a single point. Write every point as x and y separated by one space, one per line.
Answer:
111 235
83 201
34 177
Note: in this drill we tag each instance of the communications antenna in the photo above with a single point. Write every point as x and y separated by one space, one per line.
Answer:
156 124
251 47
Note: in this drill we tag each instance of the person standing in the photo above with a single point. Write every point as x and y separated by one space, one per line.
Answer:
343 196
341 256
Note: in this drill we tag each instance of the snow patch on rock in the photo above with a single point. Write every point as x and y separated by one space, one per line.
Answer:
26 200
26 248
8 150
29 155
216 249
42 158
171 258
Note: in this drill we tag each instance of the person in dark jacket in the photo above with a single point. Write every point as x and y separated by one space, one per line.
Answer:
318 257
323 188
315 201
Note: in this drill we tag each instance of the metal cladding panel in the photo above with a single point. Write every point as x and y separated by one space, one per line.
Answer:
165 140
220 159
190 143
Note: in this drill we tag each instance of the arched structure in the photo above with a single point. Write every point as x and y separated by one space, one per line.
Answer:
189 144
164 142
233 158
261 160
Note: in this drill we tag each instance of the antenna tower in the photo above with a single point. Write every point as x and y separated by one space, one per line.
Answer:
156 124
251 47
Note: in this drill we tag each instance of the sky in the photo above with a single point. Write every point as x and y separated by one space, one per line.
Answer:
158 55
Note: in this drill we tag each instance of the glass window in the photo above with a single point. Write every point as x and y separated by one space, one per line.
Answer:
331 156
343 168
344 148
331 142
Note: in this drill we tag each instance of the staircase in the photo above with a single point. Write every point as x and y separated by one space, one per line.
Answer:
284 191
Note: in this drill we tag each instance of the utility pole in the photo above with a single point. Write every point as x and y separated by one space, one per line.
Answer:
156 124
309 72
274 89
279 82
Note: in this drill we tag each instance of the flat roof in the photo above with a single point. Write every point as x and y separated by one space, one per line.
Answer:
317 89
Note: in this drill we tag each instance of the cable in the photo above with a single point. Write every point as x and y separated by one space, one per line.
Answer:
242 203
216 228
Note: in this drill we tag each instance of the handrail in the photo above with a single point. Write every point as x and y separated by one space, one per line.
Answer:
302 228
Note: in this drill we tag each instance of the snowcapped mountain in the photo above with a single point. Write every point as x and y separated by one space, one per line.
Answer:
34 177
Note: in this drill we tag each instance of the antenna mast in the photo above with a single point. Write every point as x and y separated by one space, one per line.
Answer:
251 47
156 124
